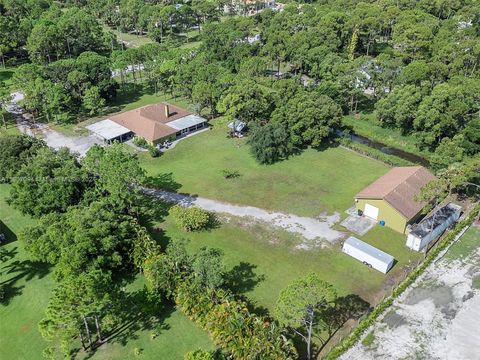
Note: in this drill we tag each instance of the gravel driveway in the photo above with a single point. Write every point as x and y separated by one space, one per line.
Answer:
316 230
54 139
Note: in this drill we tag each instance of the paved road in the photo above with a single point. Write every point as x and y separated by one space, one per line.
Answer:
310 228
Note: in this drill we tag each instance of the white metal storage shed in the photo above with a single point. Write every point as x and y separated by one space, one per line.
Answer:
433 226
368 254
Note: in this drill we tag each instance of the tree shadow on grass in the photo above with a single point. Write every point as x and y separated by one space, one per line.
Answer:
345 308
25 270
242 278
128 93
164 181
10 236
138 312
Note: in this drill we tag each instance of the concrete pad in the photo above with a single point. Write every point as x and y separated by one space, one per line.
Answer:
359 225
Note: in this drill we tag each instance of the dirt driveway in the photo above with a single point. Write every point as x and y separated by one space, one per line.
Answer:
314 230
438 317
54 139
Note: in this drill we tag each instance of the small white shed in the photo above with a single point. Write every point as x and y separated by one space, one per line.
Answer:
432 227
368 254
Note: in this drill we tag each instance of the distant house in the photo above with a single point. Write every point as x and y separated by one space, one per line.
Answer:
155 123
391 198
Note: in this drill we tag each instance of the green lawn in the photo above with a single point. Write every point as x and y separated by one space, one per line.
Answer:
31 284
132 40
466 245
263 260
308 184
141 95
10 130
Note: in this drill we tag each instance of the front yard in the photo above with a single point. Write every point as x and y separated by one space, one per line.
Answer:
307 184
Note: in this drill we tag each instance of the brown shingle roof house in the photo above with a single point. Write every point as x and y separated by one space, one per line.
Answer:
391 198
152 122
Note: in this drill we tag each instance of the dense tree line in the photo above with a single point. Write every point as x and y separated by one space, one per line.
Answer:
63 89
416 62
88 230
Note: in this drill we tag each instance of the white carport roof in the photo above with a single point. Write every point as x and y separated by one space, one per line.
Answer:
185 122
108 129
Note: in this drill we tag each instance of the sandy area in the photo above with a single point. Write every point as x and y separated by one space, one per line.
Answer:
314 230
438 317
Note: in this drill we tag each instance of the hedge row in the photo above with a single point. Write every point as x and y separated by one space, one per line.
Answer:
348 342
373 153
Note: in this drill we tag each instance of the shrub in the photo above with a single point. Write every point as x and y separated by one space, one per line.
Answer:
153 151
374 153
230 174
232 327
369 339
190 219
199 355
140 142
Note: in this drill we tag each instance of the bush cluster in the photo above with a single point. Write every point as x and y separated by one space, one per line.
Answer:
140 142
386 303
190 219
231 325
230 174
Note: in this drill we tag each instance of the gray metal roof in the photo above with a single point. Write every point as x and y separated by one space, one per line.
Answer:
435 220
108 129
186 122
369 249
239 125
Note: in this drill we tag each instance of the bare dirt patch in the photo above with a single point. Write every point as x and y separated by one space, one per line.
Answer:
436 318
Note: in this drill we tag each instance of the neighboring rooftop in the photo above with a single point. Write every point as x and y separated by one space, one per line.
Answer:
399 187
108 129
150 121
438 218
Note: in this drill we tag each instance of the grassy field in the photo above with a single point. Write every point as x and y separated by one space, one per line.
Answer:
141 95
467 244
308 184
133 40
262 260
29 285
367 125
